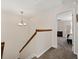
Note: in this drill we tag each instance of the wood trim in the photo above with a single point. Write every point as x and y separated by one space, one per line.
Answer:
2 48
77 17
28 42
37 30
43 30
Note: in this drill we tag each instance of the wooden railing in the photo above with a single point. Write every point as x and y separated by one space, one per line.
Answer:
2 48
37 30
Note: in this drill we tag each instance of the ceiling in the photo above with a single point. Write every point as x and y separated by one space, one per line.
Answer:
65 16
31 6
28 6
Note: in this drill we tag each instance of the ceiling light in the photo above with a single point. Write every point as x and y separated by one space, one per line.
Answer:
22 23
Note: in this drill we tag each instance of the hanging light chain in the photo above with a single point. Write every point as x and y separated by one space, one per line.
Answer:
22 17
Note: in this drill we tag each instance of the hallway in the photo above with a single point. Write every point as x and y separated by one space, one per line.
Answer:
64 51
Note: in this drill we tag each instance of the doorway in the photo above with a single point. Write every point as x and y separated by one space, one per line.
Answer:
64 30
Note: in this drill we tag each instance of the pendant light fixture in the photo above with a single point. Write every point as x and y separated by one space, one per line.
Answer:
22 23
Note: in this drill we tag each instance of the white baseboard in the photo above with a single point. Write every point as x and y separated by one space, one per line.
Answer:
43 52
75 53
54 46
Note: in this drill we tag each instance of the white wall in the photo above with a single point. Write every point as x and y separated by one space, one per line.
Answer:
42 41
39 44
75 32
13 35
47 20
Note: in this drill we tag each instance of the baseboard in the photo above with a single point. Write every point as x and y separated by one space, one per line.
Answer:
54 46
43 52
75 53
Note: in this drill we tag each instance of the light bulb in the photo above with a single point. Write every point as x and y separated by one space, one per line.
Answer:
20 24
24 24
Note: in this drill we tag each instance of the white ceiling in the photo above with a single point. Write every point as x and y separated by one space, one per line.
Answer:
28 6
65 16
31 6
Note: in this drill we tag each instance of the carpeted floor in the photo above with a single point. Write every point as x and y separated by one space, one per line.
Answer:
59 53
62 43
64 51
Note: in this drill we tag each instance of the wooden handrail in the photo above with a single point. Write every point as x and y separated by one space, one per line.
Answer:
28 42
2 48
37 30
43 30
